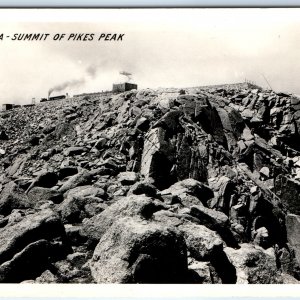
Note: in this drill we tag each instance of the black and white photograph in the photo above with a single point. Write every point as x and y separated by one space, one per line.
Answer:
150 146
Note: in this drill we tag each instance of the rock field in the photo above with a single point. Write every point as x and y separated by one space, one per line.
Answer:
196 185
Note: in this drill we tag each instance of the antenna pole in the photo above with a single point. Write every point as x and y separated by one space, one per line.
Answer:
266 81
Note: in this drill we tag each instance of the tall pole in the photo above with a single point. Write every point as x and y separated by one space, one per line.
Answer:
266 81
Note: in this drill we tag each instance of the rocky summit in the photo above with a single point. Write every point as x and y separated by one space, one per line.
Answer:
195 185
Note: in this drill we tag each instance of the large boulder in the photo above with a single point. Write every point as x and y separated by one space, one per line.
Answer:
15 169
253 264
127 178
288 190
131 206
217 221
293 233
71 210
135 251
77 201
27 264
42 225
12 197
211 218
203 272
38 195
189 187
45 277
73 151
169 121
82 178
201 241
85 191
143 187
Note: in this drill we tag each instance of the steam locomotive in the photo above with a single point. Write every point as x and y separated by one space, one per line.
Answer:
61 97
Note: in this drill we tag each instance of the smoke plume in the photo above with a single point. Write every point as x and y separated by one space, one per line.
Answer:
92 70
67 84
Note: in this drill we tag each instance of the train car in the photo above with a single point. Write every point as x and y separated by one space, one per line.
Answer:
61 97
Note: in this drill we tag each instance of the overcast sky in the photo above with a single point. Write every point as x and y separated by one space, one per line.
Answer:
161 47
